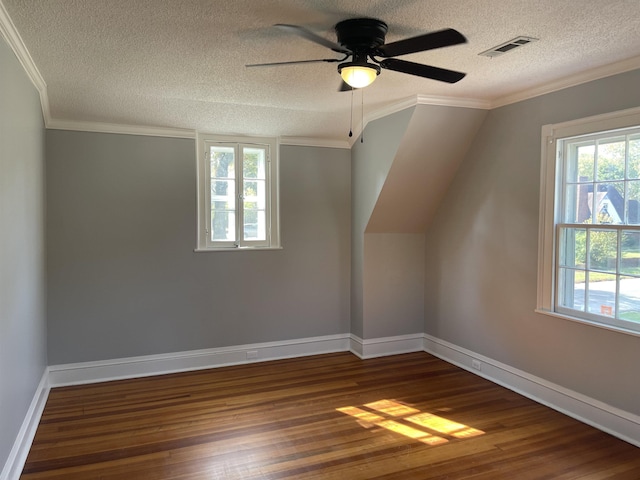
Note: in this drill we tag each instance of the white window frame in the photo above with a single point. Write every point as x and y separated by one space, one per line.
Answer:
551 185
204 243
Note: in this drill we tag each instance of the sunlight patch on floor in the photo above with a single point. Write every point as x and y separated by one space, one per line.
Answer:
430 426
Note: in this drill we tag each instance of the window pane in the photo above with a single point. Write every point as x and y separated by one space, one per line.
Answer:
573 243
254 163
610 203
611 159
571 289
573 207
633 203
585 157
250 190
601 289
222 162
630 251
585 203
254 192
634 157
603 250
223 194
223 226
630 299
222 210
254 225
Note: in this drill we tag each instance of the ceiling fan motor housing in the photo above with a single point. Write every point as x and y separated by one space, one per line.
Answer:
361 35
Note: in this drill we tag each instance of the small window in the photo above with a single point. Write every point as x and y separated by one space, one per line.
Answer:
590 222
237 193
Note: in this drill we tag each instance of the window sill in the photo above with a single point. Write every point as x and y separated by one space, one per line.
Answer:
590 323
234 249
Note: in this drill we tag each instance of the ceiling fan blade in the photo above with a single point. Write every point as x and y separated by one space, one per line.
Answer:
309 35
426 71
293 62
428 41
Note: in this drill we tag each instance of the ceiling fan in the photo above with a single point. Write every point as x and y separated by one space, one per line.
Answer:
361 42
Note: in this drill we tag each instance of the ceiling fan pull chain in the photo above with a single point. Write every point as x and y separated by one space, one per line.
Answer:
351 120
362 119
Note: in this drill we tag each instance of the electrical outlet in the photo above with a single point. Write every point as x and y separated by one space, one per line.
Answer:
476 364
252 354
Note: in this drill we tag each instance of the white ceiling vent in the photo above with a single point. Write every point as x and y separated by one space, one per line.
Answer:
507 46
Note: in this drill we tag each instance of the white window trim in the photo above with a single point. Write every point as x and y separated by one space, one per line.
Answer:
550 189
273 175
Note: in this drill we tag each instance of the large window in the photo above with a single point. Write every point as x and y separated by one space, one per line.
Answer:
237 193
590 219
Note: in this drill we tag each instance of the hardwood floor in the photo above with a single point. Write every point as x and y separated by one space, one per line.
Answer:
330 416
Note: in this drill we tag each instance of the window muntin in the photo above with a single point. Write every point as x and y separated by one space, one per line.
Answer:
596 253
238 193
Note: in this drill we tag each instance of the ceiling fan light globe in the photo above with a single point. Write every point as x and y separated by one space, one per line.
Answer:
358 76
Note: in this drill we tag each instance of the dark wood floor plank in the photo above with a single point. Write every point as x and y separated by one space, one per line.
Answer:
322 417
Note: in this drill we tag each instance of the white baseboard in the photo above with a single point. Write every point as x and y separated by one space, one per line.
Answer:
18 455
148 365
612 420
382 347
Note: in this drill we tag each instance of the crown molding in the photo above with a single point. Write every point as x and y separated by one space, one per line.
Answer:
10 34
454 102
570 81
409 102
314 142
426 100
99 127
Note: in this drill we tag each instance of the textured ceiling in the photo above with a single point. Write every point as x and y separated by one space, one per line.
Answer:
180 63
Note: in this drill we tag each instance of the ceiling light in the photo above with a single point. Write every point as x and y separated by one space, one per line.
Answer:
358 74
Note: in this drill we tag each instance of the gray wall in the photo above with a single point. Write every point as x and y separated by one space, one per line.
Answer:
393 284
481 254
124 280
23 356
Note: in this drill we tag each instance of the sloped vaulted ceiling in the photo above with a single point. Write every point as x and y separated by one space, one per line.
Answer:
432 148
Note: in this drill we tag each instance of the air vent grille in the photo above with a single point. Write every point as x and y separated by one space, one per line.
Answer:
507 46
